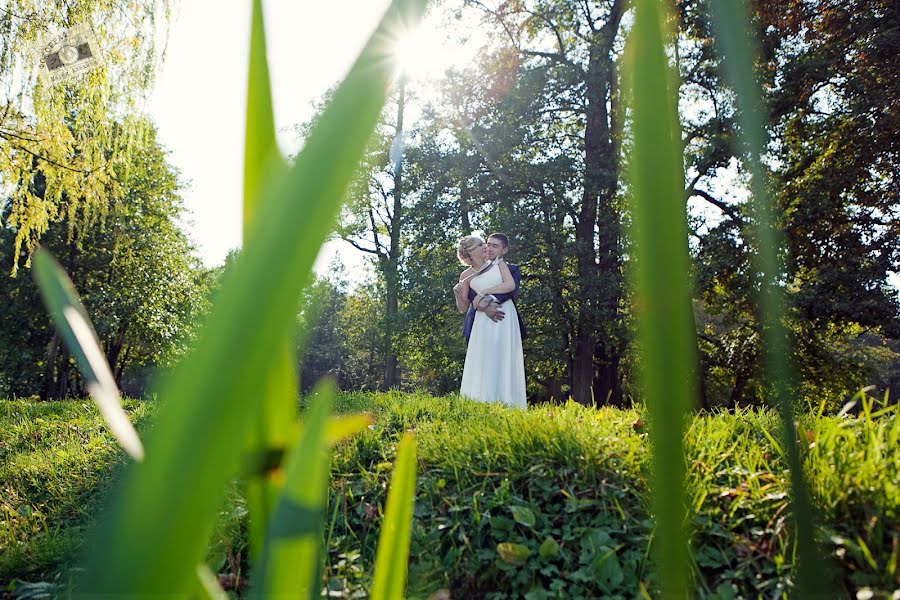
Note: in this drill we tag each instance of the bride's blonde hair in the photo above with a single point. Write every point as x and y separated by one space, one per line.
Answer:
465 247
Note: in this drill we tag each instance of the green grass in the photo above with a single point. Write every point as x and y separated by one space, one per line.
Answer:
56 460
566 487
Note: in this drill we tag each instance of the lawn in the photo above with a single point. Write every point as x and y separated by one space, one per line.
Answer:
551 502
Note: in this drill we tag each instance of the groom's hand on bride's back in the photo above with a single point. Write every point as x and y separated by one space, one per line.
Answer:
493 311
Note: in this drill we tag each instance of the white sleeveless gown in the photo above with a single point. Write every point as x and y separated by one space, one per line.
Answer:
495 367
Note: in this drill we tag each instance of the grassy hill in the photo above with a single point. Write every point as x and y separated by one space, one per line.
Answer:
551 502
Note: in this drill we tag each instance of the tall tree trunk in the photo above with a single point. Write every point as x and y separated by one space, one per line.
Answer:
737 392
61 387
392 265
699 374
115 348
598 283
120 370
50 367
464 203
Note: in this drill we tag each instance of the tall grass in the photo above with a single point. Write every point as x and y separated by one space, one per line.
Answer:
663 290
732 26
580 472
662 275
263 165
232 397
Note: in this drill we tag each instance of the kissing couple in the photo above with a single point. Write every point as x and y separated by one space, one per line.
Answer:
486 292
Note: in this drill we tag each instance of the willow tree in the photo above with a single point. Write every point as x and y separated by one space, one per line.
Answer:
59 147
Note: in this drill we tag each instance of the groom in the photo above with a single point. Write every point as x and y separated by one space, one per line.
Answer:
497 247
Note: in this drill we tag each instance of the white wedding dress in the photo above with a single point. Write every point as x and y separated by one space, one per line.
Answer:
495 367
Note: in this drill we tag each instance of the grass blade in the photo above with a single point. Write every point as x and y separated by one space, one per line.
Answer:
391 560
159 522
732 24
292 555
76 329
208 587
263 164
340 428
661 278
260 148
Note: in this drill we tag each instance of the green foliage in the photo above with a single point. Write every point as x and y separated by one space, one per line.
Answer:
62 151
822 78
137 274
581 473
739 52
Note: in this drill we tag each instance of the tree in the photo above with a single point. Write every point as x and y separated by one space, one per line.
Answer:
829 82
577 46
60 148
373 221
137 275
324 348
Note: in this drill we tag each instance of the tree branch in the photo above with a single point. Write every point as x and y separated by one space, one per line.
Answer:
381 250
587 15
726 208
556 56
612 22
359 247
47 160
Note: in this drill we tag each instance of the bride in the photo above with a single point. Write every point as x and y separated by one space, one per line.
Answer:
494 369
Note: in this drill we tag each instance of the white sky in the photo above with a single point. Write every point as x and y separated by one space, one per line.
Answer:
200 97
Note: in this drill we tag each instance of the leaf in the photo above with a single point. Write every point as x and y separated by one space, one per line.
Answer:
661 271
212 397
523 516
609 570
340 428
514 554
291 556
732 24
337 429
263 165
75 328
208 584
389 579
549 548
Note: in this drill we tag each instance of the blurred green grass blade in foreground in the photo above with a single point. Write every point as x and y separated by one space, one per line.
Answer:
263 165
392 558
661 278
293 545
208 587
732 23
76 329
159 522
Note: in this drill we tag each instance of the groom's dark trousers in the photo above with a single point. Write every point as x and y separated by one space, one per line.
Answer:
470 315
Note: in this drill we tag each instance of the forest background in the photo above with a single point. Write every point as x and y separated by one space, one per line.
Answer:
517 142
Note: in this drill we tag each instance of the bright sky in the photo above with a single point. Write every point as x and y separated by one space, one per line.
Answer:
200 97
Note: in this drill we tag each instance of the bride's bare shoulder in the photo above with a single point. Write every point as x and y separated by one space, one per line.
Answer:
465 273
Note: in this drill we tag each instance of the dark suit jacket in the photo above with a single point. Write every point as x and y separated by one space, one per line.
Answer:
470 315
